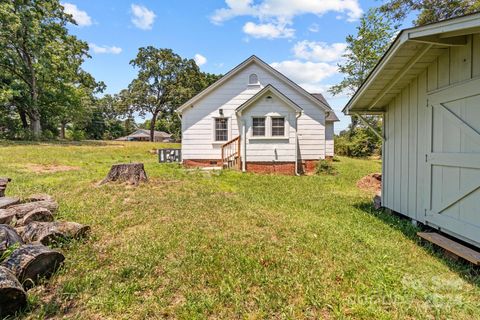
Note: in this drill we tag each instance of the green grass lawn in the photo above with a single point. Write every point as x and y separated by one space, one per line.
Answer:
229 245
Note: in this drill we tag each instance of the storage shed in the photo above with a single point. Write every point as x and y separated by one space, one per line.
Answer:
427 87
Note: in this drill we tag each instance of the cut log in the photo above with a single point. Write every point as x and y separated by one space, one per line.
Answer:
39 197
8 201
132 173
20 210
8 237
37 215
6 217
12 296
3 185
32 262
49 233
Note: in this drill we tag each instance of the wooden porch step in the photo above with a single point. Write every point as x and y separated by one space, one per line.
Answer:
452 246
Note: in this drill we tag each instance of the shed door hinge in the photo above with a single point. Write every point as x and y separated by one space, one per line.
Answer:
426 157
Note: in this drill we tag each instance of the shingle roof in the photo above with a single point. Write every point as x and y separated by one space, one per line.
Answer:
331 116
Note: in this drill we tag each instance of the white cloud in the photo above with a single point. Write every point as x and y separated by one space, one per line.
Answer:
199 59
105 49
143 18
319 51
282 12
268 30
81 17
305 72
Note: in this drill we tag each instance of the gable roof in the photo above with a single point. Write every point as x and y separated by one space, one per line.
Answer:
331 114
409 55
269 88
241 66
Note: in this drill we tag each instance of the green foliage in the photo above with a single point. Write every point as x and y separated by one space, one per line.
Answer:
164 82
359 141
364 49
40 65
325 166
429 11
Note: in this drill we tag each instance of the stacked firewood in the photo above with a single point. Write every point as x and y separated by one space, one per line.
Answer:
27 233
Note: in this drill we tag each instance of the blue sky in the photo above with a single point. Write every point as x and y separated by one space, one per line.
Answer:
304 39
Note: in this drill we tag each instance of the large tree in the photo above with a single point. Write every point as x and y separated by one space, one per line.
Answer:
39 56
164 81
429 11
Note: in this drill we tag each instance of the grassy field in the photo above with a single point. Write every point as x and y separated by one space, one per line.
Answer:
226 245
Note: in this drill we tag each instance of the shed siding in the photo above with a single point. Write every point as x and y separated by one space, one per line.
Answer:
197 122
329 143
405 129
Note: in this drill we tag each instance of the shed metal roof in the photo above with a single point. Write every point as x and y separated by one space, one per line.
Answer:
408 56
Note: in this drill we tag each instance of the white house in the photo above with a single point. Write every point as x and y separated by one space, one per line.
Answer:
427 87
256 119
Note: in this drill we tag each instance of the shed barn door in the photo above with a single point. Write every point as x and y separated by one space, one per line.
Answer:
453 160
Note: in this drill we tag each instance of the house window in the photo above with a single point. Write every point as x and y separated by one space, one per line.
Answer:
253 79
278 127
221 129
258 127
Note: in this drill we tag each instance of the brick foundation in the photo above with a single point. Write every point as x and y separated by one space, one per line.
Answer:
286 168
202 163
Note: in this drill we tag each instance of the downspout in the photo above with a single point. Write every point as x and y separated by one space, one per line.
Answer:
299 114
244 140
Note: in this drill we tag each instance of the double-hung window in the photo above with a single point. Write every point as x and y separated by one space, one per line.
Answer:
221 129
278 126
258 127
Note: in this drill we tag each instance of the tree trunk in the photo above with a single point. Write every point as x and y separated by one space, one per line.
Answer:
132 173
37 215
23 118
8 237
36 126
152 125
33 262
12 296
63 124
49 233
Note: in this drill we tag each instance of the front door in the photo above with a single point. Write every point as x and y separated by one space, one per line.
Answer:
453 160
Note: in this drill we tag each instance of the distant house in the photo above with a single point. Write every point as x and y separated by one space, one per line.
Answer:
256 119
427 87
144 135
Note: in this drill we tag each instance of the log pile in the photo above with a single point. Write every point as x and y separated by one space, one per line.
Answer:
27 231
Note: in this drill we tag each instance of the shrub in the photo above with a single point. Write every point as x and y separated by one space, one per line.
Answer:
325 167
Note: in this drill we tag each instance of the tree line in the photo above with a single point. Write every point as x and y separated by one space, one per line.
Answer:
44 92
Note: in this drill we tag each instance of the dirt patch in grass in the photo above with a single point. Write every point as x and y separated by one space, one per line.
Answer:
372 182
49 168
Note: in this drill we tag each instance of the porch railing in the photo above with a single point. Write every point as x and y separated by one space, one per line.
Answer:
231 154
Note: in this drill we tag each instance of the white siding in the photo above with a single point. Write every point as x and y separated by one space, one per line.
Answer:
268 149
405 128
197 122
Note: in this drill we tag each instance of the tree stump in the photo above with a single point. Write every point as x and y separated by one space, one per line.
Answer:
3 185
20 210
12 295
32 262
132 173
8 237
48 233
37 215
